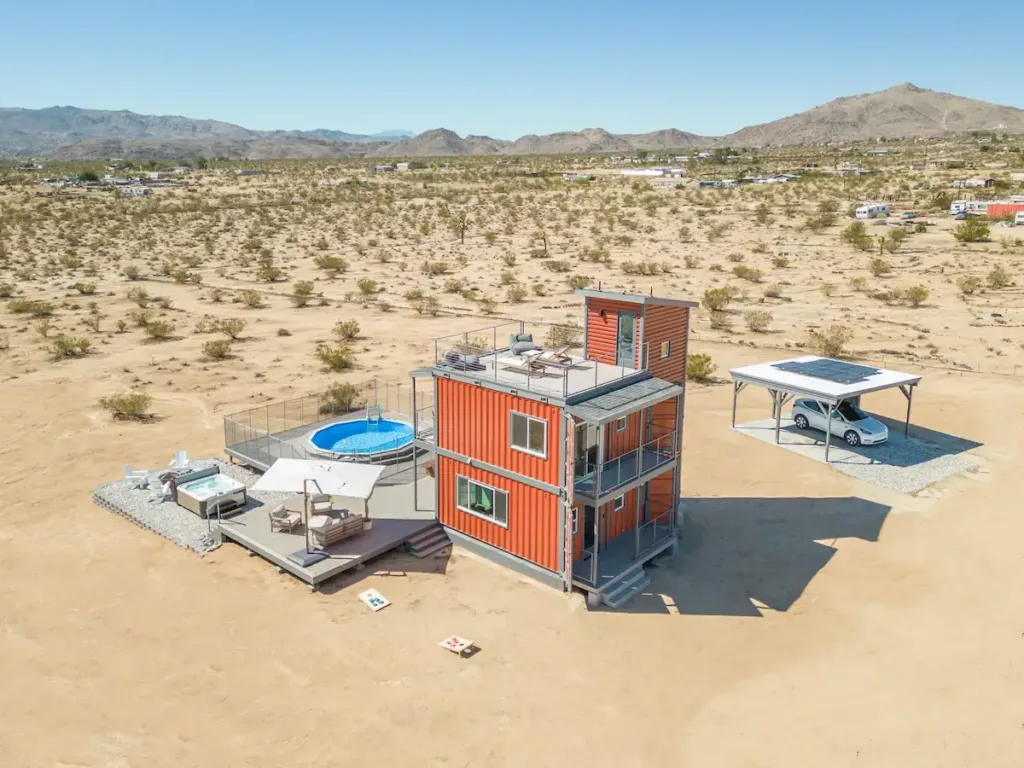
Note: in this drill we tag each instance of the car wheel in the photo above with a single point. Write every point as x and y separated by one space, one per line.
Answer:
852 438
801 421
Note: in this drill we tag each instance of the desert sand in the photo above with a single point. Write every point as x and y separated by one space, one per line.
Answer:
809 619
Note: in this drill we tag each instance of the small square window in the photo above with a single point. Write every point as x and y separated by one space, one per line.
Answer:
621 424
619 503
666 349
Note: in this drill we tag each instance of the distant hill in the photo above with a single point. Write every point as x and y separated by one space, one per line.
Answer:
903 111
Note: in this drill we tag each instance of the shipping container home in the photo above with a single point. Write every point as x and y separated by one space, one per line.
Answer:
557 451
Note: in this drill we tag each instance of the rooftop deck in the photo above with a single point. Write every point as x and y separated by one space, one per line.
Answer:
486 354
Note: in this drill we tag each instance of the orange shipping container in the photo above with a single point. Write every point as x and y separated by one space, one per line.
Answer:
1001 210
603 329
531 531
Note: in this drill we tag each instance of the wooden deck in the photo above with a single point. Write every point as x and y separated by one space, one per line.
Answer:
394 522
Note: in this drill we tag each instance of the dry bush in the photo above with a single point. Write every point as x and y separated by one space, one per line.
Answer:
758 320
858 284
916 295
346 330
744 272
128 405
998 278
516 294
721 321
250 299
879 266
716 299
971 231
158 330
302 293
427 305
6 290
65 347
368 287
699 367
578 282
828 289
216 349
434 268
231 327
780 262
334 358
831 341
341 398
773 291
140 296
968 284
332 265
34 307
691 261
85 289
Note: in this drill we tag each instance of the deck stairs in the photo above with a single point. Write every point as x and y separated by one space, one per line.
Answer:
625 587
428 542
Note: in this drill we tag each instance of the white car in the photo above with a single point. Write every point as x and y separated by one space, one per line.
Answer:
848 422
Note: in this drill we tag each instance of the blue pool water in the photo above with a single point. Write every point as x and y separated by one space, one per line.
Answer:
361 437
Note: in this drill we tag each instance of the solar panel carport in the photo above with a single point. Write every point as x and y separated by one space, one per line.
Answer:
823 379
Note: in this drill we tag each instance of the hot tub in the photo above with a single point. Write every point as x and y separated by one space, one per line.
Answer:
204 495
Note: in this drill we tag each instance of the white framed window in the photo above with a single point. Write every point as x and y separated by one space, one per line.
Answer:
575 521
481 500
528 434
666 349
619 503
621 424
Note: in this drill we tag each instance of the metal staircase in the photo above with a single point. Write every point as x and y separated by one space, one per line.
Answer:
626 587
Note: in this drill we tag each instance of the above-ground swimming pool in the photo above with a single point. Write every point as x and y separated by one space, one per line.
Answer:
362 438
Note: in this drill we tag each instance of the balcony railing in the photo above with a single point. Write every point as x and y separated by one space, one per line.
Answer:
558 366
425 424
622 470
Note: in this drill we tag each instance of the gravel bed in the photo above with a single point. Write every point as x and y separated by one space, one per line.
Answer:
170 520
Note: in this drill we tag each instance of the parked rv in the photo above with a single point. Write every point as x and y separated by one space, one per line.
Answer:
1018 220
871 210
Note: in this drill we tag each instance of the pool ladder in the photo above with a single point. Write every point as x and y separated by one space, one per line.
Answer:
373 418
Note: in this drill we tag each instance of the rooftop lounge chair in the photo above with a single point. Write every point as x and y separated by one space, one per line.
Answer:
526 362
558 356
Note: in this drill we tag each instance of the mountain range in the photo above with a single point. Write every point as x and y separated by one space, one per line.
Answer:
903 111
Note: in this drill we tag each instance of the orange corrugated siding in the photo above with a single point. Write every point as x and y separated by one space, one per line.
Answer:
617 523
602 332
532 531
664 323
665 415
661 495
618 443
998 210
474 421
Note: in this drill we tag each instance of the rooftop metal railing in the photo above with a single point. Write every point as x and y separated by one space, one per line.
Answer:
489 353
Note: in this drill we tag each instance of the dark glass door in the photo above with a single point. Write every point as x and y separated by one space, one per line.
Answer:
625 344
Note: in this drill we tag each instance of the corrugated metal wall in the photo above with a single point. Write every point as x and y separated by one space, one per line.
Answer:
474 421
532 531
617 443
998 210
612 523
602 332
664 323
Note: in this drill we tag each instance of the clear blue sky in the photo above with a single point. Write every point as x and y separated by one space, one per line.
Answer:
501 69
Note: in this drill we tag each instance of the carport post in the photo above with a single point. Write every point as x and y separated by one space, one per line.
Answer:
737 387
908 392
828 432
777 399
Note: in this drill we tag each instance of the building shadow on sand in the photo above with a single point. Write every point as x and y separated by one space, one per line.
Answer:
737 554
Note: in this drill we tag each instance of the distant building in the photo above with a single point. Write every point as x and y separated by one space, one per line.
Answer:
251 172
973 183
410 166
381 169
578 177
643 172
134 191
877 152
917 166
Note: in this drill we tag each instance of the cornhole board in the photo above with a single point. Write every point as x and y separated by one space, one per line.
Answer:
374 600
457 644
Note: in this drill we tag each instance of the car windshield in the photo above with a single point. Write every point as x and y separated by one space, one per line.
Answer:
851 412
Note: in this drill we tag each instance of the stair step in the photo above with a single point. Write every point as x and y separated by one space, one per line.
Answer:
627 592
426 543
425 535
432 549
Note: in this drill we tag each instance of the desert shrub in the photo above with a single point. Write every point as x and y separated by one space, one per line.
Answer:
889 296
346 330
85 289
879 266
139 295
158 329
691 261
920 228
780 262
334 358
971 231
92 322
332 265
735 257
828 289
968 284
283 332
231 327
557 265
916 295
128 405
998 278
34 307
415 294
564 334
831 341
721 321
858 283
368 287
132 272
699 367
140 317
44 326
685 236
302 293
65 347
744 272
216 349
508 259
758 320
434 268
341 398
453 285
516 294
250 299
759 247
6 290
716 299
578 282
121 326
384 306
856 235
539 289
427 305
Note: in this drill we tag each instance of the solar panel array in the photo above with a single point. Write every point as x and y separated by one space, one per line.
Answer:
829 370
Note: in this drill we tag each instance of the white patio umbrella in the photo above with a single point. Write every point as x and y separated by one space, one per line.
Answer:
335 478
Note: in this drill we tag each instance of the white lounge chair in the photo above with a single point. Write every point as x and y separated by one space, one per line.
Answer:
180 460
160 493
139 477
